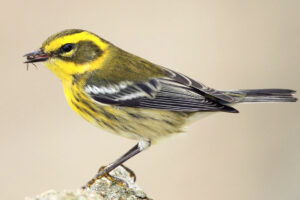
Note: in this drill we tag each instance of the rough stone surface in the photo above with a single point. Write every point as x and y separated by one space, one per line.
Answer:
102 189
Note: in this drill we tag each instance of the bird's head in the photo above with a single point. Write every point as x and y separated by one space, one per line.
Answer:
70 52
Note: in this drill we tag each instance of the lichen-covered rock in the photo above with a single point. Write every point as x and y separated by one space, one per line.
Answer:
124 188
67 195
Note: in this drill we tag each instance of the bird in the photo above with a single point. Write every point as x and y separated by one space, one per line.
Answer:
130 96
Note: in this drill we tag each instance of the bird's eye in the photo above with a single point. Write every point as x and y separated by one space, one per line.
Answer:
66 48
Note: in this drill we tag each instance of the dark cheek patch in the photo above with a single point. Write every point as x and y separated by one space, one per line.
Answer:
85 51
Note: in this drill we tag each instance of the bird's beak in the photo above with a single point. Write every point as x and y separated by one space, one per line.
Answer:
36 56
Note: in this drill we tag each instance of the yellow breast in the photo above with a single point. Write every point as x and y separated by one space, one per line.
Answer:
133 123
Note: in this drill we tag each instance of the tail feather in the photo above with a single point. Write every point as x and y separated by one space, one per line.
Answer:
263 95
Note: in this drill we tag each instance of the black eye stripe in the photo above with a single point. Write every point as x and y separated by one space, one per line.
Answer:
66 48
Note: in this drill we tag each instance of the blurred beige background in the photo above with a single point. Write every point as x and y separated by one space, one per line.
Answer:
224 44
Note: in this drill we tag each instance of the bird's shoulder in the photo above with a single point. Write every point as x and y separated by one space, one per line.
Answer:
122 66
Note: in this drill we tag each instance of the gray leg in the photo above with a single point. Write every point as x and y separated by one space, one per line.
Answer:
139 147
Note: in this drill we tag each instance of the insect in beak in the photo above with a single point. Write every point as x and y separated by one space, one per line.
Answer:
36 56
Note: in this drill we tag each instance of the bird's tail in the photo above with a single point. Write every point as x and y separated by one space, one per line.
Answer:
263 95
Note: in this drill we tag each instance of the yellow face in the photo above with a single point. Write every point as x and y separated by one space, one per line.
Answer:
71 52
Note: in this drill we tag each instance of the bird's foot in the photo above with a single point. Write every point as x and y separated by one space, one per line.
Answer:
103 174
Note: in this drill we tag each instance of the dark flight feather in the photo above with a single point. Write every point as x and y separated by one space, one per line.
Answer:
156 93
204 90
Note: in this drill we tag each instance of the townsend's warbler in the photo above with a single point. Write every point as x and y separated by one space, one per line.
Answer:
130 96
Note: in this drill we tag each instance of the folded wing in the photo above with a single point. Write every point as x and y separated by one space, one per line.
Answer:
155 93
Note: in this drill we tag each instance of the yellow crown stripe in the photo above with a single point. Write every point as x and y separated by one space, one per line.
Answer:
74 38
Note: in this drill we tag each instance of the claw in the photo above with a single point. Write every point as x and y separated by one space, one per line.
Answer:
111 178
130 172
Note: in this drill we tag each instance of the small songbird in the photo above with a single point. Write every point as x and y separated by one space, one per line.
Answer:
130 96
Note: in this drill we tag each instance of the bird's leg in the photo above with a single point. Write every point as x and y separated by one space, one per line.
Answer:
139 147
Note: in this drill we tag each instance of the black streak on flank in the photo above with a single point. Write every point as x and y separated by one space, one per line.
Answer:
108 125
108 115
169 122
78 107
83 110
88 105
75 79
76 98
135 115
